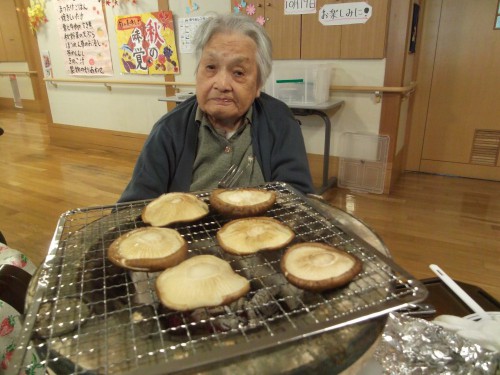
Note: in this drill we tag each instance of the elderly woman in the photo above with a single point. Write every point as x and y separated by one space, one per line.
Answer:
229 121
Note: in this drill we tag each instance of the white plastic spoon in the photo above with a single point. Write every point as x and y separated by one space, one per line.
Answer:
460 292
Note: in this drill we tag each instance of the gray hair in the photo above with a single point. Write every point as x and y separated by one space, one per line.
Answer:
238 24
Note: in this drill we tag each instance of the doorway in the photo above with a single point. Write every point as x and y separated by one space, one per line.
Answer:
21 56
455 128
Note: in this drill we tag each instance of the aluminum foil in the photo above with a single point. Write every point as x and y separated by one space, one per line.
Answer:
416 346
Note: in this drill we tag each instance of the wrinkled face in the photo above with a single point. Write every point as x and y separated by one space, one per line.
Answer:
226 80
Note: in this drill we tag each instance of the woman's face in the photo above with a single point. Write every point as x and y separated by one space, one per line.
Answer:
227 78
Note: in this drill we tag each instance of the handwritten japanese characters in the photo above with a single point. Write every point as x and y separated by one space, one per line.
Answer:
300 6
345 13
84 38
147 43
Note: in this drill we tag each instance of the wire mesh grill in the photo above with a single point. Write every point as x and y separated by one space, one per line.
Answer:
89 316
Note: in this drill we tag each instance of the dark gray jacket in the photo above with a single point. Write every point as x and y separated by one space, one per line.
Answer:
165 163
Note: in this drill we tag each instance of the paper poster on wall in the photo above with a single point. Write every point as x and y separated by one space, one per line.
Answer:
146 43
344 13
84 38
47 64
187 29
300 7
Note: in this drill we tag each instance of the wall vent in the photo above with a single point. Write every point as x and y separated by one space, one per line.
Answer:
485 147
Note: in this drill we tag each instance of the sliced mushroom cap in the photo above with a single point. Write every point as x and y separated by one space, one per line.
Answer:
249 235
242 202
317 267
174 208
148 249
200 281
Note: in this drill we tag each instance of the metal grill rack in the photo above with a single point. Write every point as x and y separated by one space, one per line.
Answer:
89 316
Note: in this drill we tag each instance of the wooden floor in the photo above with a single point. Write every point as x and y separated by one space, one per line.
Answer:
453 222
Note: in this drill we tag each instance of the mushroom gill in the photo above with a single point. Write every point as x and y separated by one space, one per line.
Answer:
174 208
249 235
242 202
200 281
148 249
317 267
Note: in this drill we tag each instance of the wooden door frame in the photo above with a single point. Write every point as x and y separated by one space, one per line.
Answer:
423 132
32 53
400 18
426 53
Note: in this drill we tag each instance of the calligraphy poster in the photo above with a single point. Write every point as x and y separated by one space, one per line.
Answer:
147 43
84 38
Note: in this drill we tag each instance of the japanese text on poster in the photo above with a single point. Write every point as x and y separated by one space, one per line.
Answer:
300 6
84 38
147 43
187 29
345 13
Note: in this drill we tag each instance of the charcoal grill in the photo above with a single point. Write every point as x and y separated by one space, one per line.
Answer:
87 316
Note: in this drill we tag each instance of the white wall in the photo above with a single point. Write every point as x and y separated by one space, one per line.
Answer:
136 108
360 112
123 108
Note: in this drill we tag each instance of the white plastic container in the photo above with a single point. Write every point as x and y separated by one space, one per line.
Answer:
297 83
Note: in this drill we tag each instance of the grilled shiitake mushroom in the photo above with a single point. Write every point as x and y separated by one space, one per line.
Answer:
318 267
148 249
249 235
174 208
200 281
242 202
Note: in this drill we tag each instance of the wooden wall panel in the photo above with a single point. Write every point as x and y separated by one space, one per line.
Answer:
3 51
397 42
462 170
12 41
357 41
80 137
367 40
426 51
318 41
283 30
466 81
457 91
